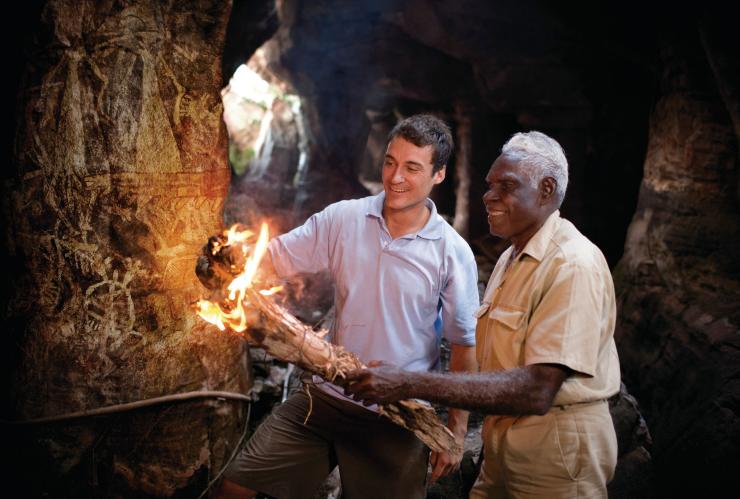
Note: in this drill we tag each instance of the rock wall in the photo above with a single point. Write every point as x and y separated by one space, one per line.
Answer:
679 281
120 176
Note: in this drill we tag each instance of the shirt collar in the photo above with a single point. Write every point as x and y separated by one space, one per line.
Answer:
537 245
375 207
433 228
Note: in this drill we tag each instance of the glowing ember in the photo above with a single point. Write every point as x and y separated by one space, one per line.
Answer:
232 313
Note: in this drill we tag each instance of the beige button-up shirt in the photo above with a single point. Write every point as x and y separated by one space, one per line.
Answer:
553 304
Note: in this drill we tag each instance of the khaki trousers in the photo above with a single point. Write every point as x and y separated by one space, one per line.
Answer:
568 453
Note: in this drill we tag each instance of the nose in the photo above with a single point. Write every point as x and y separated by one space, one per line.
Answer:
397 176
490 195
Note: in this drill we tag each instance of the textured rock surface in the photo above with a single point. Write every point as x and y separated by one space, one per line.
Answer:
120 176
634 477
679 281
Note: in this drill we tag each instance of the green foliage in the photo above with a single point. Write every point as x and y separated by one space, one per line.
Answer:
239 158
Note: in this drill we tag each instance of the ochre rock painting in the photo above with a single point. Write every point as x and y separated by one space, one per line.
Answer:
121 177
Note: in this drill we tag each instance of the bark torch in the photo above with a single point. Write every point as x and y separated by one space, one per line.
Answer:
285 337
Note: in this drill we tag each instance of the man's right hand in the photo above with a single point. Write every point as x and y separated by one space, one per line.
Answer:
379 383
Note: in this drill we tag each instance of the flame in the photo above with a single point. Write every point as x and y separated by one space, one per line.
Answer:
271 291
210 312
232 313
233 236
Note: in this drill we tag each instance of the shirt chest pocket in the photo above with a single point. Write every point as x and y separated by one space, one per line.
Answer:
507 328
510 317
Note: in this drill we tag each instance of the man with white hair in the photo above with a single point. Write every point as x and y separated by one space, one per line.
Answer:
544 338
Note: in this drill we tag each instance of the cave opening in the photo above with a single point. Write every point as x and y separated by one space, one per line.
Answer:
267 147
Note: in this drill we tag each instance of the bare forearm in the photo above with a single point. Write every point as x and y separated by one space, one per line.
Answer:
462 360
524 390
512 392
457 421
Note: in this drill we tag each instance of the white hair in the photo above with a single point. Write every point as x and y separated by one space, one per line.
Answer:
540 156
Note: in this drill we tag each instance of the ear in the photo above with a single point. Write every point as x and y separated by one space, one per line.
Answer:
548 186
439 176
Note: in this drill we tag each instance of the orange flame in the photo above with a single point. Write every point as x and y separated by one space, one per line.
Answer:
210 312
234 316
271 291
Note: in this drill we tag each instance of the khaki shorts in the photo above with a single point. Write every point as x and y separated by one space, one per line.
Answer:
289 460
569 452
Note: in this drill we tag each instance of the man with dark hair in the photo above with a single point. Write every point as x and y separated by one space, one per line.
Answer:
426 130
403 278
544 342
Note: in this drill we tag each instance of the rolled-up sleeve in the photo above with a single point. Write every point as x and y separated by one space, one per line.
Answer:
305 248
459 298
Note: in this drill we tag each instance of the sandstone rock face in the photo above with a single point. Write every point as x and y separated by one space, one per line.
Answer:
121 176
679 281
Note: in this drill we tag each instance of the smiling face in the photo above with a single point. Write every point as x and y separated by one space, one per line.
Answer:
407 175
516 207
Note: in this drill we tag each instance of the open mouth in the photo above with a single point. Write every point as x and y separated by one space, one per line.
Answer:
399 191
495 213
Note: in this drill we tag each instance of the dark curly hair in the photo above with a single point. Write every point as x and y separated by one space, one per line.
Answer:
426 130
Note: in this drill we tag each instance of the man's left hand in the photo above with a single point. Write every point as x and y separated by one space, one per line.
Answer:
444 463
379 383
